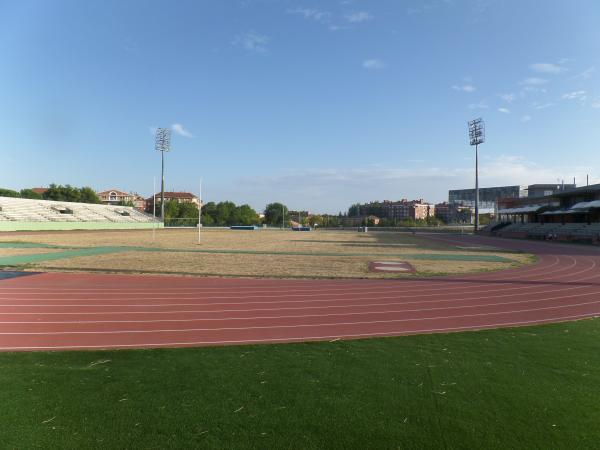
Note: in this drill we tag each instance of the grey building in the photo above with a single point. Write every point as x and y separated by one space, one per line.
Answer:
543 190
487 196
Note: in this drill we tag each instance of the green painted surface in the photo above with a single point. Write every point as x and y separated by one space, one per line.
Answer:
58 226
27 245
74 253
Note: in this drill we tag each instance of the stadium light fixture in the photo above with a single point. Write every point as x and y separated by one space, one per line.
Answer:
162 143
476 137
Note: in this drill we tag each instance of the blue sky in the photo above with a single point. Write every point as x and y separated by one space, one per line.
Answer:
316 104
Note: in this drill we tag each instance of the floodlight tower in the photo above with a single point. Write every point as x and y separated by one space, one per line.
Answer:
162 143
476 137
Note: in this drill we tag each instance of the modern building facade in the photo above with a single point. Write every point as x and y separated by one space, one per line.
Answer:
543 190
577 205
454 213
487 197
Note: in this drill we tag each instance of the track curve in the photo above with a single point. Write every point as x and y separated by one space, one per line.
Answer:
58 311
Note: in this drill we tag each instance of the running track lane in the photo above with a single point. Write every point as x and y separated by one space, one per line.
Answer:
57 311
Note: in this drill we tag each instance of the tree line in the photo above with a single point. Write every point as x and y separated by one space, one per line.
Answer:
213 214
227 213
58 192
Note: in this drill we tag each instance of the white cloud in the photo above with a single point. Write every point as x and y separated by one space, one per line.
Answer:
334 27
373 64
543 105
547 68
252 41
575 95
181 131
311 14
526 118
423 6
465 88
508 98
504 110
333 189
586 74
481 105
596 104
533 81
358 16
534 89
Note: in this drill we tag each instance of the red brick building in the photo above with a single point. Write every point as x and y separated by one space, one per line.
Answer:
179 197
405 209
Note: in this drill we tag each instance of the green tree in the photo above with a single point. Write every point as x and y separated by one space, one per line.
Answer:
209 214
62 193
207 220
315 221
171 210
225 212
188 211
354 210
88 195
276 214
68 193
28 193
245 215
434 221
8 193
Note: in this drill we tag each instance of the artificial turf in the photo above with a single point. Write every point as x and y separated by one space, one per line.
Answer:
535 387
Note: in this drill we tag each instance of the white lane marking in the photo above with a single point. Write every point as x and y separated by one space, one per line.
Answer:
405 292
345 305
520 288
306 325
385 290
364 313
413 282
306 338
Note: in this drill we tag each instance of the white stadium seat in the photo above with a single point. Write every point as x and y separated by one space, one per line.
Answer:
26 210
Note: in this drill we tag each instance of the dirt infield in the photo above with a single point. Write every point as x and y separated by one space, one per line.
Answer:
90 311
322 254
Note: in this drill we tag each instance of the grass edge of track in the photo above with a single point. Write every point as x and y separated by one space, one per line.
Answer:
470 389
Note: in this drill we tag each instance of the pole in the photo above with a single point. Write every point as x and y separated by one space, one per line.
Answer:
282 216
200 212
154 207
162 186
476 188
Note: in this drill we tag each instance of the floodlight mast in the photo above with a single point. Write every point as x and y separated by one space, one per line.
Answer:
476 137
162 143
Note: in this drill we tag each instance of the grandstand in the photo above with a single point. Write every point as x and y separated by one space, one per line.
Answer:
25 214
564 232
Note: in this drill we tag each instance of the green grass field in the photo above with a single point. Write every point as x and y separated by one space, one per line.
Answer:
536 387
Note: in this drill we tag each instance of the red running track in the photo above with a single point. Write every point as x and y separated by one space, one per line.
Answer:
56 311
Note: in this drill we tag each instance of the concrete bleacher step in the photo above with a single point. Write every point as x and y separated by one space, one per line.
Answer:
26 210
